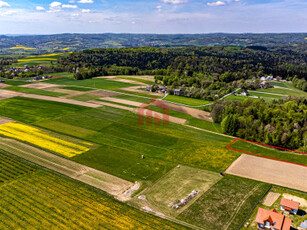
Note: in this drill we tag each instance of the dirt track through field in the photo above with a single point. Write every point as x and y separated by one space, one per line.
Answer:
144 112
4 120
106 182
122 101
270 171
183 109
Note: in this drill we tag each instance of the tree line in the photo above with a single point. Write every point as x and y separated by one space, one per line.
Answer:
280 123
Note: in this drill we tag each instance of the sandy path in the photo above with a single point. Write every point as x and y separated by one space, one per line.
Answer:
122 101
183 109
270 171
106 182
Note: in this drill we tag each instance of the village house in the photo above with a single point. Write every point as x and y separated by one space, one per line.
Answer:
272 220
178 92
289 206
244 93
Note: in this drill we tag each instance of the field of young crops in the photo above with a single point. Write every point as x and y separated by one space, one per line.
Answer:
12 168
52 202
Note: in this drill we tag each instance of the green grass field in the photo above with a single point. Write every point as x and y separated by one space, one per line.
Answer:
29 110
98 83
186 100
297 219
176 185
138 79
225 204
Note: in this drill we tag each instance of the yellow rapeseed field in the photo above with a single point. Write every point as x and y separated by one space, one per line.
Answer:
22 47
42 139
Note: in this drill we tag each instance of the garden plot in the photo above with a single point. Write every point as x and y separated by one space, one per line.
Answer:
270 171
176 185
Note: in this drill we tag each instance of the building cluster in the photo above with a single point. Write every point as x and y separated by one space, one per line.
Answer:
42 77
272 220
180 203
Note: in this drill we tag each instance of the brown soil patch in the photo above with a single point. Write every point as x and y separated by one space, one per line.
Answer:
41 86
138 89
69 92
271 198
106 182
2 85
122 101
8 94
270 171
112 105
103 93
183 109
4 120
144 112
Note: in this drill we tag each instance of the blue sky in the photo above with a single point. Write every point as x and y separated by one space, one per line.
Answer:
152 16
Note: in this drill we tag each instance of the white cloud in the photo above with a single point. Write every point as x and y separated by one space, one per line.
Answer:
4 4
159 8
70 6
71 1
217 3
39 8
55 4
175 1
85 1
86 11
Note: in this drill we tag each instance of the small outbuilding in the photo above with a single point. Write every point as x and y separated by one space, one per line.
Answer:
289 206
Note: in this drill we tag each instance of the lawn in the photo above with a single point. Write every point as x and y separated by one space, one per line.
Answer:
225 204
34 91
98 83
176 185
270 152
82 89
186 100
289 194
265 96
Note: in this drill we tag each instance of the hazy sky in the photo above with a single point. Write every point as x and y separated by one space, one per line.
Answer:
152 16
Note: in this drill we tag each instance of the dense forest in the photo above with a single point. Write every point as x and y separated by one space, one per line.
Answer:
279 123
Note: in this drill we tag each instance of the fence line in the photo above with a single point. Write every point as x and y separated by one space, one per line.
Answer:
248 215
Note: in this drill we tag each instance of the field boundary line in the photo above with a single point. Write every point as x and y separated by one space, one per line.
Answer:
259 155
250 212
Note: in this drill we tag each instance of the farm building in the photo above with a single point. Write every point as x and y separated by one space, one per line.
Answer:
178 92
271 219
244 93
289 206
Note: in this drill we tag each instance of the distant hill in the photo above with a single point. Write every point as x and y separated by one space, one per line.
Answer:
48 43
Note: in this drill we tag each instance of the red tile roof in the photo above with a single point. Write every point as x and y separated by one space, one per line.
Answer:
279 221
289 203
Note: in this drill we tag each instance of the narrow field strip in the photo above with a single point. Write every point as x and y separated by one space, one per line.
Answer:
106 182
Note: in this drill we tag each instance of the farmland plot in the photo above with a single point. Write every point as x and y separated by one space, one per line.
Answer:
52 202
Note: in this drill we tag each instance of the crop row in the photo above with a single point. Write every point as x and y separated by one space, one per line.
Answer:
11 168
47 200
